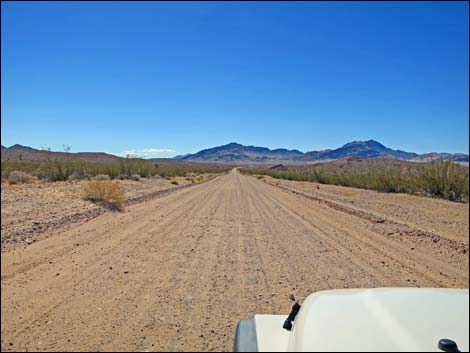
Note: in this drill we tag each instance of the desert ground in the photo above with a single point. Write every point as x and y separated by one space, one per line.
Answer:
31 212
177 270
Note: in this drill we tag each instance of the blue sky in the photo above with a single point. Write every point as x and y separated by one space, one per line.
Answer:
131 76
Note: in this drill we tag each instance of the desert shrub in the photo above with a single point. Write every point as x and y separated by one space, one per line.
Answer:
135 177
441 179
17 177
395 181
174 182
122 176
130 166
101 177
105 191
320 177
446 180
61 169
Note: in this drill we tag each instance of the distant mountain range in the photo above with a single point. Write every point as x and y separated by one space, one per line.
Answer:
17 151
237 153
18 147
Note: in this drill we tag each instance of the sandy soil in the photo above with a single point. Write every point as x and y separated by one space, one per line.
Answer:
445 218
178 272
33 211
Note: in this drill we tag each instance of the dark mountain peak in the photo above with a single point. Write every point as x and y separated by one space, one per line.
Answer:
228 146
20 147
284 150
369 148
368 143
374 144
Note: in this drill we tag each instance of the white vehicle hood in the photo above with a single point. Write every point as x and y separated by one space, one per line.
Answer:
381 319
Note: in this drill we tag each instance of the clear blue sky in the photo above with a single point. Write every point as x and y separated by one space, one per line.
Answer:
186 76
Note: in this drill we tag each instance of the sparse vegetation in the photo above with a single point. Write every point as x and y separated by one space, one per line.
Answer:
107 192
62 169
174 182
135 177
18 177
445 180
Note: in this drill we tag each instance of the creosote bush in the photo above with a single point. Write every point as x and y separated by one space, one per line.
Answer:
108 192
445 180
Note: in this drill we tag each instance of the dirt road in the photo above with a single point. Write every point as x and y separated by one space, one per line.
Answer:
177 273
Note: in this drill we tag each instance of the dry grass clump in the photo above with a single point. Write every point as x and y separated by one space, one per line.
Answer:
17 177
135 177
107 192
101 177
174 182
122 176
